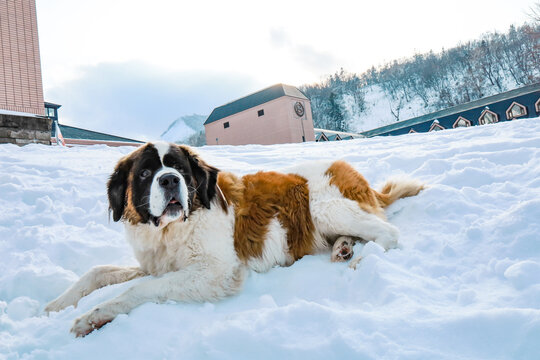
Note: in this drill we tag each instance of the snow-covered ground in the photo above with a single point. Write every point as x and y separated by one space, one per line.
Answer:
465 283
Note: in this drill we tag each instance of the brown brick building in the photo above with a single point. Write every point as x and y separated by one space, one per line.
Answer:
20 69
22 111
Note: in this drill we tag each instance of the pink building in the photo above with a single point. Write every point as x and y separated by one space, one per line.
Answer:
276 115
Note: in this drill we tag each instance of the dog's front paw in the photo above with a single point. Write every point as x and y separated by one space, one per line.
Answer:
343 249
91 321
60 303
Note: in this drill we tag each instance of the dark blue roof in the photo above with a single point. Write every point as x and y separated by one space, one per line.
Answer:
252 100
70 132
52 105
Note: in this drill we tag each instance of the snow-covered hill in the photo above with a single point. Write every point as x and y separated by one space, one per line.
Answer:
181 129
380 110
405 88
465 283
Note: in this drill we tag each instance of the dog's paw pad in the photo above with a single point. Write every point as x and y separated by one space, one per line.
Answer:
342 250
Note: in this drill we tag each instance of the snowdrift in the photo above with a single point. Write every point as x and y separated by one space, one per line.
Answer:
465 283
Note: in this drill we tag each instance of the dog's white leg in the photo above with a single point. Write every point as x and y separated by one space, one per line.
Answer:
94 279
345 217
196 283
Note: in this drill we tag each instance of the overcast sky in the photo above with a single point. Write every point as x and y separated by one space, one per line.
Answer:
130 67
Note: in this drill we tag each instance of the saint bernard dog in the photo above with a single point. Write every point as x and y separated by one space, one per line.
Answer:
197 231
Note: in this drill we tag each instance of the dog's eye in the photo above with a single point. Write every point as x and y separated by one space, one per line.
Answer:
145 173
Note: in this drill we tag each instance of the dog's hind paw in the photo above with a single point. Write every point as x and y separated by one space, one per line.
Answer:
342 249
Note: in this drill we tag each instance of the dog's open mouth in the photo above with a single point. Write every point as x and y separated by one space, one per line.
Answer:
173 209
173 206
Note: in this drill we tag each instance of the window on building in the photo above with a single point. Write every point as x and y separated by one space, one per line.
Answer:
260 112
537 105
461 122
488 117
226 125
436 126
515 111
50 112
412 131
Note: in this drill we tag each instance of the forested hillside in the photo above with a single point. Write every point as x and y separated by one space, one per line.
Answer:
427 82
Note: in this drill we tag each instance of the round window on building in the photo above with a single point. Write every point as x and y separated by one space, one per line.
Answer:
299 109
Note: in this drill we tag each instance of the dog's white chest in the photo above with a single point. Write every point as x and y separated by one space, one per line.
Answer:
159 252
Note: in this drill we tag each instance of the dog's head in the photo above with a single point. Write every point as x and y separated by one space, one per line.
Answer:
159 183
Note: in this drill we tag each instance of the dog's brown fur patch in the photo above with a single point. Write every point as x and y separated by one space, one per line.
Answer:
355 187
130 213
394 190
259 198
231 186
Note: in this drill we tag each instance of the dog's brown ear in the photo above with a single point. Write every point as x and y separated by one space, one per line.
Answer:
116 188
205 175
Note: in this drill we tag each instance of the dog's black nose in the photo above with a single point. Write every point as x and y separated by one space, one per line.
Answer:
169 181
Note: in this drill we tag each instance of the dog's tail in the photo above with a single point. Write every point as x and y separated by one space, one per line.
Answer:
397 189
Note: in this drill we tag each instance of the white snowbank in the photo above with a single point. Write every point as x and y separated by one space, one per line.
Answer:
465 283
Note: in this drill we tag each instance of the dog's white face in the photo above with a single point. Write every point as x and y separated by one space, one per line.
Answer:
168 195
159 183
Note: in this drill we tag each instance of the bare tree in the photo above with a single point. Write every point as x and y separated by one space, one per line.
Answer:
496 62
534 12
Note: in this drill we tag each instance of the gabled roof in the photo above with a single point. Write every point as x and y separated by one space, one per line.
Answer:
252 100
454 110
70 132
321 137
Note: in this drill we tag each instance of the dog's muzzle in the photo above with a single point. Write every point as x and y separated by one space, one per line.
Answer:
170 186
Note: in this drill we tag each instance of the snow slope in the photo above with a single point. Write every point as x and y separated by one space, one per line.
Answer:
379 108
465 283
183 127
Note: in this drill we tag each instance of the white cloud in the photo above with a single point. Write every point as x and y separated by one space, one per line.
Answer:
139 101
